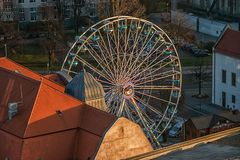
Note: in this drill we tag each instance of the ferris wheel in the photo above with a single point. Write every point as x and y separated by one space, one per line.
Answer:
138 67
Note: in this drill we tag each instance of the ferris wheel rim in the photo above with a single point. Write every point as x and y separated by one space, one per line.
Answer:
136 86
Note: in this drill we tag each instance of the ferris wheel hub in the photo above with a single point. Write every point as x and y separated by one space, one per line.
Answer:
128 90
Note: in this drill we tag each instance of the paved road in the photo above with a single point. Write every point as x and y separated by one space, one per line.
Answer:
206 152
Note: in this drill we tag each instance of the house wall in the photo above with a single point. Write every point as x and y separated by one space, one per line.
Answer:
202 25
59 146
190 131
230 64
10 146
124 139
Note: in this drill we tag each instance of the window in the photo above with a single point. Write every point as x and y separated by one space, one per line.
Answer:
33 9
22 18
233 99
223 3
43 0
32 1
202 3
224 76
8 8
233 79
194 135
20 1
33 16
224 99
21 10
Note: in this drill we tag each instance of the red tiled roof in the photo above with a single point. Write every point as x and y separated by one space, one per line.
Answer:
16 88
13 66
37 117
229 44
56 78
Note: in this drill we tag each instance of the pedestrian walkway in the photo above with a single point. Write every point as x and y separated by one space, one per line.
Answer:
194 107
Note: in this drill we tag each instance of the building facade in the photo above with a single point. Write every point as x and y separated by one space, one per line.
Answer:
7 12
226 70
208 17
215 8
208 124
40 10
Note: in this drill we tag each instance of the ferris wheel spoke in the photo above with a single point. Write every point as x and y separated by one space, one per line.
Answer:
135 43
153 109
93 68
144 122
128 111
120 110
150 54
112 51
156 88
109 52
155 77
157 98
69 71
104 82
116 44
144 43
152 63
100 61
152 67
123 48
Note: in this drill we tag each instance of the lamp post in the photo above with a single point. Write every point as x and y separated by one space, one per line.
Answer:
5 47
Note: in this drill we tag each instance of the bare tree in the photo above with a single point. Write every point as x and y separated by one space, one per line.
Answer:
121 7
77 7
179 28
10 37
202 74
53 29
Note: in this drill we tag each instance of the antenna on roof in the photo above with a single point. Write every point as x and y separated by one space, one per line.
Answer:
5 46
12 110
59 113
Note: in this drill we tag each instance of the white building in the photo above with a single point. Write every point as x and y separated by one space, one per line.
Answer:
226 70
34 10
206 16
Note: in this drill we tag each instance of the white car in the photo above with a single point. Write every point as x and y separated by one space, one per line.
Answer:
173 132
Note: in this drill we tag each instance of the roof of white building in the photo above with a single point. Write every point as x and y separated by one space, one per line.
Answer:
229 43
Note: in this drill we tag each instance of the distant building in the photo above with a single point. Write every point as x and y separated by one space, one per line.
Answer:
208 17
215 8
205 125
39 121
226 70
28 11
7 10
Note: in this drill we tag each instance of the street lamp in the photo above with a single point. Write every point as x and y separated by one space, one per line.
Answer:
5 46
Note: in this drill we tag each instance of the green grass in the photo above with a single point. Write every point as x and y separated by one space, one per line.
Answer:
30 58
33 49
195 61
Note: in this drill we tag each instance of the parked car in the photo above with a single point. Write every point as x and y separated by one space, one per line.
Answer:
174 131
202 53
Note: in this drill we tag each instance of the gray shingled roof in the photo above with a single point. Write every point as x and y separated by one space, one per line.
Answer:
86 88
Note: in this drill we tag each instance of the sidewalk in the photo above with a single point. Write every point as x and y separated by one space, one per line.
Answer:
194 107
